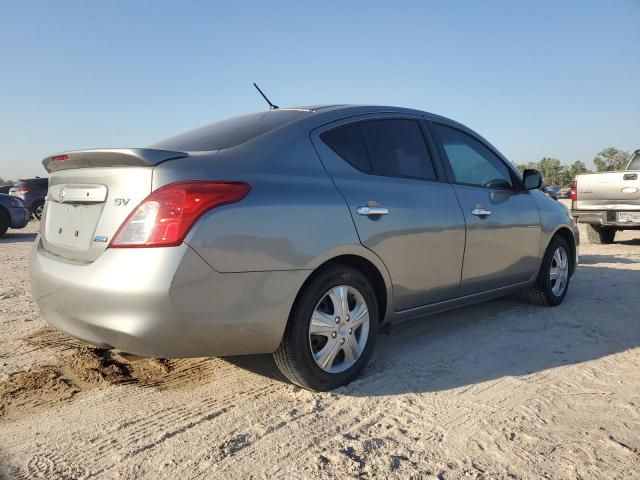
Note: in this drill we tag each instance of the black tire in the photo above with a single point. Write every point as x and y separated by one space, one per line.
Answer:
541 292
5 222
600 235
37 210
294 356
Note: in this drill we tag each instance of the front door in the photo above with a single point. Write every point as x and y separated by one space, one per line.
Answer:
503 222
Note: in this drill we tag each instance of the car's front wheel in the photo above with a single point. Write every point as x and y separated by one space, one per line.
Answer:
5 222
553 278
331 331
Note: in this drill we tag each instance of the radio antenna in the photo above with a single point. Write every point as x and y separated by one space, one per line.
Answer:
271 105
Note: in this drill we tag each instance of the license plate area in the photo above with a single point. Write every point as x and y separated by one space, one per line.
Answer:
628 217
72 225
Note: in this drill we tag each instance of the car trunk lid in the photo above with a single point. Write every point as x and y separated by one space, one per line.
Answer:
90 194
609 191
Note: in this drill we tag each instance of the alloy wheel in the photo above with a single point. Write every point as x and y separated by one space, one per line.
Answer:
339 329
559 271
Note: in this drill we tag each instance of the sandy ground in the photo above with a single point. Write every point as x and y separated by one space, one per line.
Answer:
500 390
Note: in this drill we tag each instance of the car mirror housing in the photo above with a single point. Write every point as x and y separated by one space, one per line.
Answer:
532 179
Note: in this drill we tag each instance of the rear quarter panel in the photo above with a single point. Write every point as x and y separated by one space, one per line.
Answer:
293 217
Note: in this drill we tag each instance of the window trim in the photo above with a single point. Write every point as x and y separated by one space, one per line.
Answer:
515 179
440 175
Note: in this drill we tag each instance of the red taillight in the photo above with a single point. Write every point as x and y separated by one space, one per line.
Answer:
60 158
574 190
165 217
20 190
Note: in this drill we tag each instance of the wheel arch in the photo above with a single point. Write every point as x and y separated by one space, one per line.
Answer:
569 237
365 266
5 212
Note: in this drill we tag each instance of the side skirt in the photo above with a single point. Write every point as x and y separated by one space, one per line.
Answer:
452 304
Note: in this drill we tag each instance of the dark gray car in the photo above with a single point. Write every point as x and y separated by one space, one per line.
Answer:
33 191
295 231
13 213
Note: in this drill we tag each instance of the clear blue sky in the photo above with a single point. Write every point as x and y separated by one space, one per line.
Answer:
542 78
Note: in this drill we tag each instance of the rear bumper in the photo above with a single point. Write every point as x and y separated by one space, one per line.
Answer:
19 217
163 302
605 218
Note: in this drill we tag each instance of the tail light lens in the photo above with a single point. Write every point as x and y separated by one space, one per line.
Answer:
165 217
20 190
574 190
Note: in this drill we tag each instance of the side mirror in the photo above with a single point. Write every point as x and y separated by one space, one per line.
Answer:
532 179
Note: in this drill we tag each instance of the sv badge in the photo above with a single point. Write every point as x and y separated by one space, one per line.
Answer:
121 202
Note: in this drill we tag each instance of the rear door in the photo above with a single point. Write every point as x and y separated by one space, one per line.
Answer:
401 205
503 221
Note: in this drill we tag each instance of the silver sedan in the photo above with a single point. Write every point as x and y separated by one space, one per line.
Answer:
297 231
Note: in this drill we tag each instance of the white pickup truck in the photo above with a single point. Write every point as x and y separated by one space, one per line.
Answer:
608 201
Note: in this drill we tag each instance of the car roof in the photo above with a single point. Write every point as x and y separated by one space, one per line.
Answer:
328 113
37 179
235 131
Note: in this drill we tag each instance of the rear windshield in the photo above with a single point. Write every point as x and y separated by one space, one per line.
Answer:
635 162
231 132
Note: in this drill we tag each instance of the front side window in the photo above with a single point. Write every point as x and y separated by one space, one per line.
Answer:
390 147
634 164
471 161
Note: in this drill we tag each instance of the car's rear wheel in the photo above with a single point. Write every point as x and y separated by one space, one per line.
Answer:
5 222
600 235
331 331
37 210
553 278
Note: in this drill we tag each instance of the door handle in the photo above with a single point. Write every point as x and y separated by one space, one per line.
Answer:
371 211
630 176
480 212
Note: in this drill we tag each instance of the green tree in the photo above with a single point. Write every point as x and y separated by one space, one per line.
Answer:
551 170
611 159
521 167
554 172
576 168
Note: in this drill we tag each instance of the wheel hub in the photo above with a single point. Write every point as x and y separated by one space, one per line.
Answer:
559 271
339 329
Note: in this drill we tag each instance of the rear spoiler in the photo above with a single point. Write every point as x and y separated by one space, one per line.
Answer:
109 157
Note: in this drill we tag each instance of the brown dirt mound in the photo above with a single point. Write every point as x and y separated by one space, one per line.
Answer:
39 387
78 369
96 367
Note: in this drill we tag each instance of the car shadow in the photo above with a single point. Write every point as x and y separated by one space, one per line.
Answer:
497 339
263 365
18 237
595 259
633 241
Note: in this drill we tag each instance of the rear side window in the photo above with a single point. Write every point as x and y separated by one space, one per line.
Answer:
634 164
471 161
231 132
393 148
347 142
